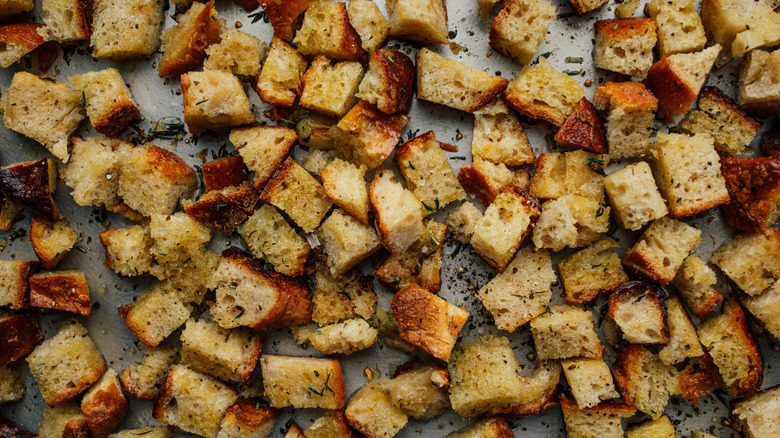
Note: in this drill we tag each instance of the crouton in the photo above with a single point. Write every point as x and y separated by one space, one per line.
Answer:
108 102
248 418
156 314
751 261
19 334
370 411
176 237
31 185
193 402
336 299
697 378
123 30
427 172
634 197
639 311
184 45
153 180
419 390
591 271
66 364
758 90
149 432
537 390
733 349
658 428
283 15
66 20
498 136
302 382
144 379
462 221
603 421
570 221
590 381
263 149
485 179
237 52
329 87
367 136
345 185
398 212
541 92
104 404
625 45
14 282
331 425
43 109
755 415
214 100
574 172
493 427
754 189
504 227
9 212
369 23
314 132
420 264
683 341
583 129
229 171
694 282
346 337
326 30
643 380
661 249
51 241
422 21
739 26
230 355
389 81
271 238
565 332
520 27
631 110
93 170
389 333
60 290
280 77
764 308
65 420
19 39
13 7
11 387
452 83
678 26
225 210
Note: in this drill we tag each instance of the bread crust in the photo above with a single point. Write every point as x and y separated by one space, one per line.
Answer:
583 129
18 334
697 378
32 185
20 295
115 122
224 172
478 184
631 96
397 75
225 210
168 165
634 291
283 14
22 34
64 290
104 406
250 413
675 95
754 189
193 51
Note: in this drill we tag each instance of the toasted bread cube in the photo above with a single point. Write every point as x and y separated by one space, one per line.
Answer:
751 261
230 355
346 297
66 364
591 271
11 386
9 212
389 81
541 92
51 241
248 418
66 20
369 23
93 170
176 237
574 172
602 421
565 332
755 415
765 308
31 185
214 100
123 30
237 52
280 77
630 120
156 314
283 15
639 311
493 427
463 221
109 104
344 337
19 333
452 83
570 221
643 380
371 412
633 196
144 379
420 264
498 136
302 382
149 432
104 404
721 117
184 45
485 179
19 39
193 402
661 249
272 239
427 321
326 30
419 390
367 136
758 90
697 378
224 172
522 291
683 340
14 282
65 420
678 26
733 349
294 191
427 172
224 210
694 282
345 185
263 149
329 88
43 109
13 7
422 21
583 129
740 26
398 212
659 428
60 290
153 180
331 425
754 188
314 131
625 45
520 27
590 381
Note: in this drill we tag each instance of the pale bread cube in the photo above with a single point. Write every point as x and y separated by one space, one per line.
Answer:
625 45
520 27
371 412
302 382
271 238
263 149
591 271
565 332
229 355
346 242
751 261
330 87
541 92
661 249
634 197
590 381
126 29
678 25
398 212
499 137
280 77
427 172
326 30
422 21
214 100
237 52
345 185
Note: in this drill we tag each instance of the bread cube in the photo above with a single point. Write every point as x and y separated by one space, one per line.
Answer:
633 196
427 321
625 45
51 241
294 191
751 261
419 390
65 420
43 109
329 87
758 90
369 23
283 15
740 26
280 76
230 355
591 271
522 291
574 172
371 412
336 299
451 83
367 136
302 382
31 185
602 421
427 172
248 418
9 212
19 39
184 45
661 249
13 7
721 117
149 432
262 148
570 221
93 170
60 290
229 171
331 425
462 221
590 381
493 427
583 129
485 179
699 376
224 210
565 332
19 334
237 52
109 104
345 185
498 136
422 21
214 100
631 110
66 364
420 264
398 212
643 380
639 311
541 92
678 26
520 27
154 180
694 283
754 189
271 238
156 314
764 308
326 30
677 79
755 415
11 387
389 81
144 379
176 237
660 428
66 20
126 29
104 404
193 402
346 337
683 340
14 282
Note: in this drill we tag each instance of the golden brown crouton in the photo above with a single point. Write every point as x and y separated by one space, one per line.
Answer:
634 197
326 30
739 26
330 87
19 39
420 264
659 428
694 282
427 172
32 185
283 15
499 137
184 45
639 311
144 379
14 282
630 120
573 172
367 136
643 380
345 337
335 299
280 78
51 241
389 81
565 332
128 250
765 309
683 340
108 102
661 249
13 7
214 100
570 221
625 45
398 212
126 29
104 405
583 129
65 420
754 190
93 170
462 221
346 242
303 382
371 412
485 179
230 355
9 212
67 20
420 390
157 313
263 149
751 261
237 52
679 26
755 416
591 271
369 23
345 185
19 333
603 421
60 290
248 418
422 21
331 425
225 210
758 90
271 238
520 27
541 92
590 381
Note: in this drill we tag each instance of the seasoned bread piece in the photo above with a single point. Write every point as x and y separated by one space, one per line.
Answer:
504 227
678 25
314 131
758 84
126 29
13 7
765 308
18 40
104 404
643 380
420 264
31 185
541 92
591 271
263 149
109 104
60 290
422 21
389 81
271 238
184 45
143 380
11 388
485 179
633 196
229 171
756 415
51 241
661 249
739 26
345 185
631 111
369 23
694 282
371 412
751 261
570 221
733 349
452 83
462 221
583 129
43 109
248 418
67 20
498 136
625 45
249 295
520 27
193 402
283 15
639 311
419 390
537 390
9 212
398 212
230 355
14 282
19 333
93 170
659 428
346 242
336 299
237 52
590 381
565 332
329 87
346 337
492 427
326 30
331 425
683 339
66 364
367 136
280 78
157 313
754 188
721 117
65 420
677 79
427 172
224 210
602 421
574 172
302 382
214 100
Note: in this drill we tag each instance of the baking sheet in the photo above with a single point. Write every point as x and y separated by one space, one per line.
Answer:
463 274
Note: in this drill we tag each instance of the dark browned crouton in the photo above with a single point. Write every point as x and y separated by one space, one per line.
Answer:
754 188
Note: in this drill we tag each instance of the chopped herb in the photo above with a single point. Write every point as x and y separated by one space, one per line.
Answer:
596 164
596 266
202 101
572 72
257 16
551 143
142 433
326 387
345 294
574 60
201 182
412 165
83 101
432 209
600 211
46 78
240 314
395 282
257 406
16 234
458 157
458 249
268 266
